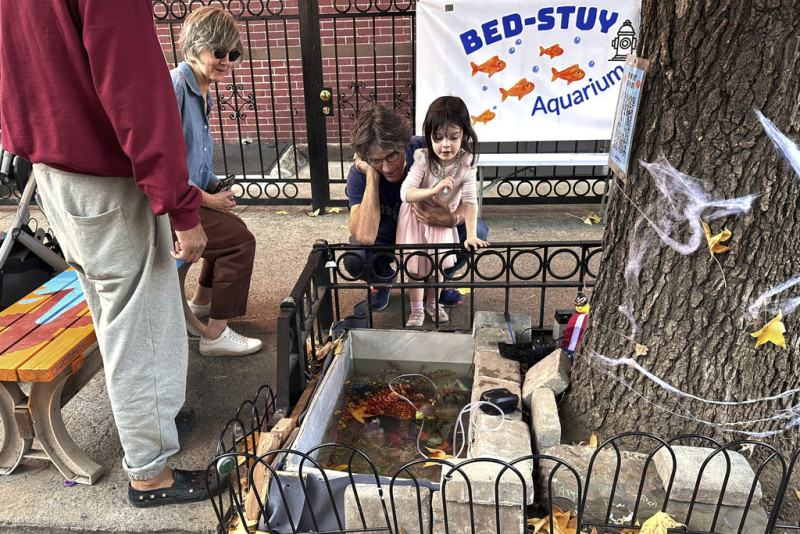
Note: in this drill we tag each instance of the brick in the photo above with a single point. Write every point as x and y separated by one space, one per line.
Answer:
507 441
459 518
545 423
690 459
405 502
483 482
490 364
552 372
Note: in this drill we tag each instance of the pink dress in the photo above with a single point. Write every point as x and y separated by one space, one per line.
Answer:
410 230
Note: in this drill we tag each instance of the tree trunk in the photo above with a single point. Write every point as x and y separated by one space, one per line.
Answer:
711 64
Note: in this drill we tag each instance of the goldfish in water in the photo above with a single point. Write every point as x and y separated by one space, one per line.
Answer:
520 89
489 66
553 51
484 117
570 74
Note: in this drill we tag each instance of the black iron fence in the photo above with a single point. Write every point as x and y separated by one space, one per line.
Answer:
282 121
335 289
314 498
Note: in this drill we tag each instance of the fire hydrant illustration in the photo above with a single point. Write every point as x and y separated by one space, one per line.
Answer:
624 42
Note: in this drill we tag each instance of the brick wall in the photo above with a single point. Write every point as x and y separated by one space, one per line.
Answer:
370 49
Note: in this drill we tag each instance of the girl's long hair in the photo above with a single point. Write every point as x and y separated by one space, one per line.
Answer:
449 110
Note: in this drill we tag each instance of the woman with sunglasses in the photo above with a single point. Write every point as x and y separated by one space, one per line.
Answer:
211 44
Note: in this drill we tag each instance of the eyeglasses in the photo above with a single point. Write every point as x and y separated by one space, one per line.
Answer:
233 55
392 157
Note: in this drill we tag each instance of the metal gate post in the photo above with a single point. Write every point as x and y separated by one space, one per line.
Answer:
315 102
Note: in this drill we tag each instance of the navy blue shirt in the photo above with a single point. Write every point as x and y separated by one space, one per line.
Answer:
388 194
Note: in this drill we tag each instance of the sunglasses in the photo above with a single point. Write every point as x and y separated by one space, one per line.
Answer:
233 55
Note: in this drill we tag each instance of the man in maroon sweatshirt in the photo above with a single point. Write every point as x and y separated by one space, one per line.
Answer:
85 95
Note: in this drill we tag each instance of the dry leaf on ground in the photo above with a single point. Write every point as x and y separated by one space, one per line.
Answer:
659 523
281 212
772 332
641 350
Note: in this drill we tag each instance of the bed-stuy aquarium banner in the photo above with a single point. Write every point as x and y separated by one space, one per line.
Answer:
528 70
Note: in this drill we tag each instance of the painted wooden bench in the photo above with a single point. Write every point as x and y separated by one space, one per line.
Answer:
47 340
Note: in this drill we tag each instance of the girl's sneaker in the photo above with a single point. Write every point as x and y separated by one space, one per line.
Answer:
437 309
416 318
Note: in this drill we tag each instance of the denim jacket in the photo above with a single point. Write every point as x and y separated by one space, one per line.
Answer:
196 127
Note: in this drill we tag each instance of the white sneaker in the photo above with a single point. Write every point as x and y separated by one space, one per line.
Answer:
437 309
198 310
229 343
415 318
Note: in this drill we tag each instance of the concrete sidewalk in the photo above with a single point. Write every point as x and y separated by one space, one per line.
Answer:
34 498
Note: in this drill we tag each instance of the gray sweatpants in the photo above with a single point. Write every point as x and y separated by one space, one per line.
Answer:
120 250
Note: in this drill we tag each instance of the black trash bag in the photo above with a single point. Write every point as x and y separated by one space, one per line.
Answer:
531 352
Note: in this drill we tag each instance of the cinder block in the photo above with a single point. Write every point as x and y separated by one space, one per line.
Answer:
545 423
552 372
690 459
405 502
490 364
481 477
459 518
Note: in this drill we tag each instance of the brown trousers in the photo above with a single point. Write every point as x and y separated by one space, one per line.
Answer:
228 262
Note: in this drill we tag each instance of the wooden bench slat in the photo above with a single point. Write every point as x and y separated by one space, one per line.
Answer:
35 299
30 334
61 352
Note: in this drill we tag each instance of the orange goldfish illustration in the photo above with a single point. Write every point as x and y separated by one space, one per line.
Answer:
490 66
484 117
519 89
553 51
570 74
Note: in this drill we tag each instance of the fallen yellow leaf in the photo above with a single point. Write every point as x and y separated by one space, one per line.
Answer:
343 226
359 413
281 212
591 218
593 441
714 240
659 523
436 454
796 492
313 213
772 332
339 467
335 210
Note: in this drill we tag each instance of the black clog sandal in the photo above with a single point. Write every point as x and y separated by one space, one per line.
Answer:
188 486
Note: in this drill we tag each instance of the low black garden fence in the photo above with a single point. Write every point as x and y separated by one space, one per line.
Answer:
609 490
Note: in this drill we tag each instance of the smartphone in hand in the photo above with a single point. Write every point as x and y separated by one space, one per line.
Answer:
226 183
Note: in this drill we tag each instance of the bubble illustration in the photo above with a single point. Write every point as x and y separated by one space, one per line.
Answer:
535 69
591 63
577 40
494 107
518 42
512 50
485 88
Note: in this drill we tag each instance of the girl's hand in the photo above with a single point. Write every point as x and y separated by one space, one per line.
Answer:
222 201
443 183
475 243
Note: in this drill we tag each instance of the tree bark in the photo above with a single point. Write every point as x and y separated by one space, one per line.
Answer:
711 64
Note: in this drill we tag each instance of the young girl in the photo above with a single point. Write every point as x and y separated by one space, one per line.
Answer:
444 170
